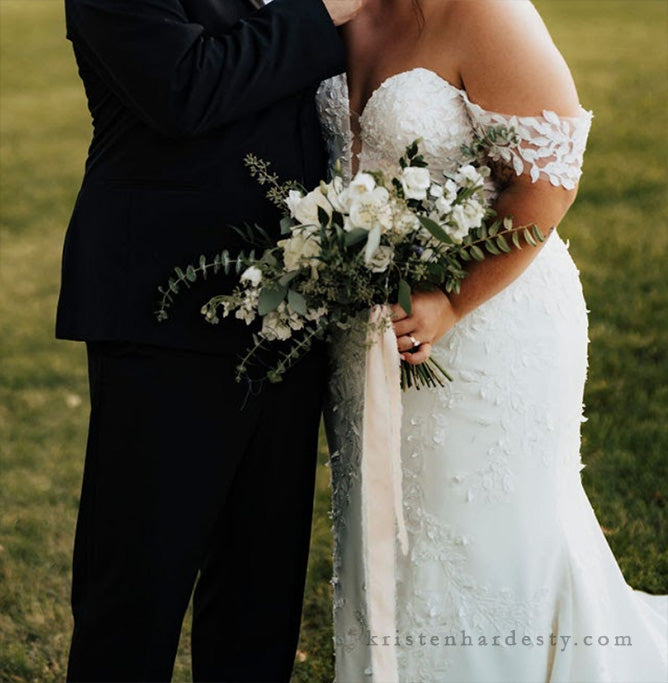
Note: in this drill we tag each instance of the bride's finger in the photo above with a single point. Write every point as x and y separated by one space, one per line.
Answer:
397 313
420 356
405 343
404 327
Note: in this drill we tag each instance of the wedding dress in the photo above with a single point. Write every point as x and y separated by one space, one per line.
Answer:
508 576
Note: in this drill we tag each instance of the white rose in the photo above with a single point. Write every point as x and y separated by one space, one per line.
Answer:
381 259
252 275
371 208
300 248
415 181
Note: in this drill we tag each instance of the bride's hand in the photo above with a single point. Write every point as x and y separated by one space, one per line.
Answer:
432 316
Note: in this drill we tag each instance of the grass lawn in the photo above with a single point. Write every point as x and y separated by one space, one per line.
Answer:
618 52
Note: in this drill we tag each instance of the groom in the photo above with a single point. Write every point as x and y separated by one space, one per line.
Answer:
188 481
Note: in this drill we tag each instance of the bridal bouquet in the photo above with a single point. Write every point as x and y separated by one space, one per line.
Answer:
348 247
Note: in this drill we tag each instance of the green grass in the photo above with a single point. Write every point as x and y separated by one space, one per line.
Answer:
619 56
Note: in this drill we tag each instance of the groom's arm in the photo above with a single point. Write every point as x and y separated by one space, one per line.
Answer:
182 80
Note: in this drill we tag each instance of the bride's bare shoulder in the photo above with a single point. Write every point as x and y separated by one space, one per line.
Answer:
508 60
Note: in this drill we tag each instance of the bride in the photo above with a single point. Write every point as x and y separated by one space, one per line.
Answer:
507 576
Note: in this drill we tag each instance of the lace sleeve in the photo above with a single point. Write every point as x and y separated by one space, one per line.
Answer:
550 146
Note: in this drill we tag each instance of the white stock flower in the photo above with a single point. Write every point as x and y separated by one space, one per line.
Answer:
468 176
300 248
252 275
368 209
415 181
381 259
405 223
450 190
465 216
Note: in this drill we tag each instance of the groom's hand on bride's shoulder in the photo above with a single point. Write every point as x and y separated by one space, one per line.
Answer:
342 11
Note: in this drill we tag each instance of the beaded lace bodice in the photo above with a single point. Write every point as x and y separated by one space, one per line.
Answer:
420 104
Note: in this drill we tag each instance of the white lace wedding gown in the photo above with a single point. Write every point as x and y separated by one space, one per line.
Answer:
503 541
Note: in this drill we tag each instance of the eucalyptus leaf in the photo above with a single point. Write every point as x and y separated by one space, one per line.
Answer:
435 229
404 297
269 259
356 235
286 225
270 298
287 278
297 302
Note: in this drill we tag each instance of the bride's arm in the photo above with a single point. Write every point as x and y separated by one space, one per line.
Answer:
509 65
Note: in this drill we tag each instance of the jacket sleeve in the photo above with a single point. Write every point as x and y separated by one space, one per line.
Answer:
183 81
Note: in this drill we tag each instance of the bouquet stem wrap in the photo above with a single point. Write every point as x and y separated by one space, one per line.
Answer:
381 484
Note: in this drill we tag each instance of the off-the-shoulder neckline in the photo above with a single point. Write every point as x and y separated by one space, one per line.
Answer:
583 112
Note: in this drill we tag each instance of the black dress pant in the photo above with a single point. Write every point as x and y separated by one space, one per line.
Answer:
186 473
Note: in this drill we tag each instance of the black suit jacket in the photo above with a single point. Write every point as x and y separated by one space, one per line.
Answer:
179 92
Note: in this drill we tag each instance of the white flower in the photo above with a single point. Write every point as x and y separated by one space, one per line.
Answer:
465 216
443 206
381 259
415 181
315 314
372 208
274 327
247 309
468 176
427 255
289 317
361 183
252 275
338 195
450 190
305 209
245 314
406 223
300 248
